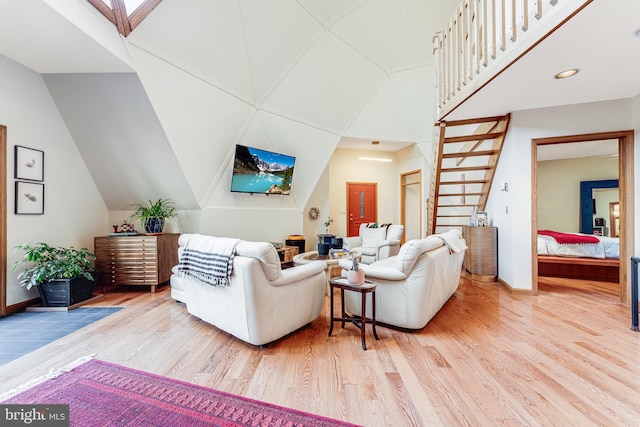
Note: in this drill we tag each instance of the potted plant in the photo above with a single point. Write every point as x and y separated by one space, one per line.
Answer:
355 276
154 214
63 276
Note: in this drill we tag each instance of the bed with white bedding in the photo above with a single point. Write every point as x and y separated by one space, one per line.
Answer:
598 259
607 247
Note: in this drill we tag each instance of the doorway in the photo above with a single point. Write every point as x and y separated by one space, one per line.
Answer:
3 220
362 205
411 205
626 192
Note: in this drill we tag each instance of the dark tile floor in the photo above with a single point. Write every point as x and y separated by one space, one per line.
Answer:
21 333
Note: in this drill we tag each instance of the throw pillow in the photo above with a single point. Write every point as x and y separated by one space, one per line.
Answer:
372 236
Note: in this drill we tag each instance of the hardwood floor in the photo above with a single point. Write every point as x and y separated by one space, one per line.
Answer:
565 357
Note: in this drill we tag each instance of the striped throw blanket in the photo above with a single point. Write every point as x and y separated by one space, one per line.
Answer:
208 259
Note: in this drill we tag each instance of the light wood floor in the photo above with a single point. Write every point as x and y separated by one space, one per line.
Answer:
565 357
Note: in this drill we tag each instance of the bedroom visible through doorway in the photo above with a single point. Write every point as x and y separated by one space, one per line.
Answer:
571 160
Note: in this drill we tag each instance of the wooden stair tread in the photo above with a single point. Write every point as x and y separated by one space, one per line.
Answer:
473 137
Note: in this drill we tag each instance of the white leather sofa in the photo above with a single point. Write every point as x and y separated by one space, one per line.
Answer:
415 284
375 243
261 302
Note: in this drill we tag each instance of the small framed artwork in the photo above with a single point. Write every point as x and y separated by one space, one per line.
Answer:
28 164
29 198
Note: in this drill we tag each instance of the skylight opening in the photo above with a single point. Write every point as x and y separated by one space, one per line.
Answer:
126 15
132 5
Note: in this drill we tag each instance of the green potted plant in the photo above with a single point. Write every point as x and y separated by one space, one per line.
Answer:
153 215
63 276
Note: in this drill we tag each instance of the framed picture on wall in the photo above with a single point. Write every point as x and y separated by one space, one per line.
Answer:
29 198
28 164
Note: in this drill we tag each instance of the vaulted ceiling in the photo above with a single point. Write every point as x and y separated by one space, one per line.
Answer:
198 76
167 103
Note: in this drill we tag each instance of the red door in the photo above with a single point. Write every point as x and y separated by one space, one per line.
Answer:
361 205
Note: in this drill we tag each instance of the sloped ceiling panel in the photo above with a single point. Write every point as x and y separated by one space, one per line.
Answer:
200 120
355 79
411 87
204 37
383 117
49 43
277 32
122 144
374 29
415 45
307 92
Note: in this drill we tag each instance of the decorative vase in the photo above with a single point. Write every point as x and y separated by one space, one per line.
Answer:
154 225
355 277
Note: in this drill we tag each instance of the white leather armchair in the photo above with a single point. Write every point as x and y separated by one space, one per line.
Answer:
261 302
375 243
415 284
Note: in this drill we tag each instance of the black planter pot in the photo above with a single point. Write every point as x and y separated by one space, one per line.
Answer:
323 249
66 292
154 225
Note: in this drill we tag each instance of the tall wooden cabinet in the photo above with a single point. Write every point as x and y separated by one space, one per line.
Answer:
144 260
481 257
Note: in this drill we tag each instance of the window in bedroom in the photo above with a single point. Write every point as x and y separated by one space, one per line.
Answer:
126 15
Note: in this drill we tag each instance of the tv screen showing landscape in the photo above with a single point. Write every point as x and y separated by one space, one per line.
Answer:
261 171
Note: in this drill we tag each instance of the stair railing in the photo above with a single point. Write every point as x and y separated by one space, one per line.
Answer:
484 36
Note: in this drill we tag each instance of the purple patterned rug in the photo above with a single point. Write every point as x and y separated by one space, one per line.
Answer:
101 394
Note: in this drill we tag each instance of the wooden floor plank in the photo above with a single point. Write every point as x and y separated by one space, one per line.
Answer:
566 356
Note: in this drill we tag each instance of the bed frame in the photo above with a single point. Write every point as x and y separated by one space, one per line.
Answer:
606 270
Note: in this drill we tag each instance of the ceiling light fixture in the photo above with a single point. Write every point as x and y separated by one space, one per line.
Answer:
567 73
376 159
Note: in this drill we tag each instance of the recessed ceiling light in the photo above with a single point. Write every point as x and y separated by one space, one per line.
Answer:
567 73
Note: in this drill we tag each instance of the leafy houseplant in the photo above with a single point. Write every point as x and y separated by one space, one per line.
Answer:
63 276
327 223
154 214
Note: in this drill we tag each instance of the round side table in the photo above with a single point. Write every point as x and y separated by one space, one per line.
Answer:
364 289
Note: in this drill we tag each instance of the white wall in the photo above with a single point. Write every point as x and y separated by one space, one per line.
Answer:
636 171
559 190
514 227
74 211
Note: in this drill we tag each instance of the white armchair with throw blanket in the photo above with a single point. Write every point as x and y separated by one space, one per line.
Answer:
375 242
239 287
415 284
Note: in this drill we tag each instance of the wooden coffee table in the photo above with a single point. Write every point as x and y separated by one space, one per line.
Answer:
364 289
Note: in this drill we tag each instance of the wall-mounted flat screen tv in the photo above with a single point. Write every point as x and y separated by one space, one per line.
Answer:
261 171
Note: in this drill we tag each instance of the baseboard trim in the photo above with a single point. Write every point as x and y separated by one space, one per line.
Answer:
514 291
22 306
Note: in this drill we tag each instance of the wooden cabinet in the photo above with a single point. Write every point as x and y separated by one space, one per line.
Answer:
144 260
481 257
286 254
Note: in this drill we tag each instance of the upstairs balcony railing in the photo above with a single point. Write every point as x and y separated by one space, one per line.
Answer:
485 36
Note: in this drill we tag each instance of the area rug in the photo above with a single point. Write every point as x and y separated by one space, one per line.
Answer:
100 393
24 332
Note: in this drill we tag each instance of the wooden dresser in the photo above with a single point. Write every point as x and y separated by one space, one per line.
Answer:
286 254
481 257
144 260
